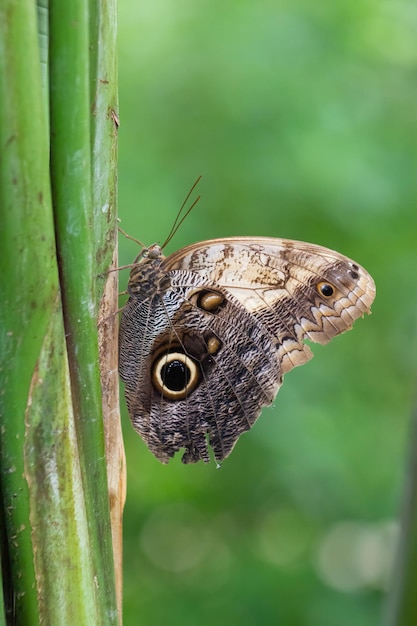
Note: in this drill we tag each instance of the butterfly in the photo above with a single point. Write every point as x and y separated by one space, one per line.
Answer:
209 331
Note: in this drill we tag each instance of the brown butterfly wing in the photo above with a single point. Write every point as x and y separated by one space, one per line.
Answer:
211 329
281 282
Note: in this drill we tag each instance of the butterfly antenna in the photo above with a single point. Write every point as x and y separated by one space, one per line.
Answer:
180 218
174 230
142 245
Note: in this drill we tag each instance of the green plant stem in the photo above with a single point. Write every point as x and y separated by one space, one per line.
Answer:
71 176
104 131
29 280
55 513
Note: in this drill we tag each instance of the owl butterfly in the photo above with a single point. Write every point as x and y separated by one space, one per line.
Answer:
209 331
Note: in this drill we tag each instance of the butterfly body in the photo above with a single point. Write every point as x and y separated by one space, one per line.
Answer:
209 331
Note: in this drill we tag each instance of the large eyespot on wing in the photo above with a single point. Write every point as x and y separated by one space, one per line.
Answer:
175 375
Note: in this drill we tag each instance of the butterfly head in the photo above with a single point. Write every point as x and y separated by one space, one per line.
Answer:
151 252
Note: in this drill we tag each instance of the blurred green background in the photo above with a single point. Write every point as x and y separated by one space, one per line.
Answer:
300 116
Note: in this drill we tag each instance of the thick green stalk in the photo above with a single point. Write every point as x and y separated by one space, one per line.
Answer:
28 277
72 179
61 545
104 130
58 565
